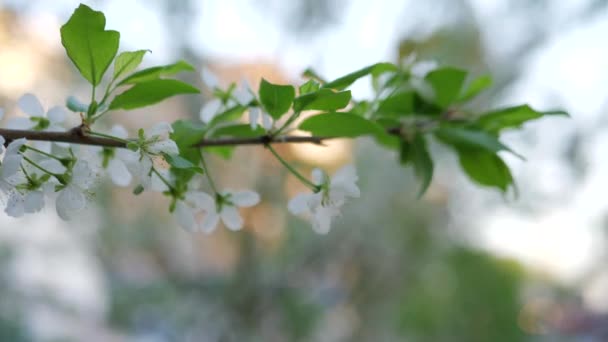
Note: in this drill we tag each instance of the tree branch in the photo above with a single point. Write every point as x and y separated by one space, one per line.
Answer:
78 135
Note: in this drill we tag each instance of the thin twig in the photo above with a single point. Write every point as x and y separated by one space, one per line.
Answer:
79 136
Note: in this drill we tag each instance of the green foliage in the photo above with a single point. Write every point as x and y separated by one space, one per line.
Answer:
469 137
374 70
150 92
423 164
475 87
469 296
511 117
485 168
275 98
157 72
239 131
323 99
398 104
90 47
309 87
340 125
181 163
127 61
447 84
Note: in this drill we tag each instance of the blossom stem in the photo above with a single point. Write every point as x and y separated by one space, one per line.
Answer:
207 174
163 179
42 152
36 165
290 168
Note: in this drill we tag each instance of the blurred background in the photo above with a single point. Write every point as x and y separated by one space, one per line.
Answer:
462 264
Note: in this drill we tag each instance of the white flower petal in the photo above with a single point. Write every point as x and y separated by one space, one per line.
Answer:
30 105
201 200
70 200
245 198
33 201
44 146
15 145
161 129
165 146
119 173
10 165
347 173
52 165
242 96
299 204
209 79
82 175
56 114
14 205
267 121
231 217
210 222
119 131
318 176
20 123
184 216
210 110
254 114
321 222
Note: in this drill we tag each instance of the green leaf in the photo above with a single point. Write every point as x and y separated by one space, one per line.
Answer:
181 163
230 114
340 125
185 134
477 86
90 47
447 84
323 99
275 98
485 168
405 152
423 164
511 117
150 92
398 104
309 87
156 73
469 137
375 69
127 62
241 131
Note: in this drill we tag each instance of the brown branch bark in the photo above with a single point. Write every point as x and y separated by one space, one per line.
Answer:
77 135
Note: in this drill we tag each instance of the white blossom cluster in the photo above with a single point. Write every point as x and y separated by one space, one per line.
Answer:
33 173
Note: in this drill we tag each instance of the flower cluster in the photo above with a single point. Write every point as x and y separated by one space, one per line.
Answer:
33 173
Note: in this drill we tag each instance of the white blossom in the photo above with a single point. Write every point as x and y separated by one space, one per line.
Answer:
188 208
74 196
140 163
225 208
38 119
158 140
321 207
117 163
242 95
255 114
